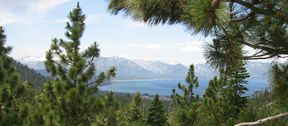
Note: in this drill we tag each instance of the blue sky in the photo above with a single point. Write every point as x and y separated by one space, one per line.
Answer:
31 24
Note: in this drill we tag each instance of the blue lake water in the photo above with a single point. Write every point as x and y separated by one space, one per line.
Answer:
165 86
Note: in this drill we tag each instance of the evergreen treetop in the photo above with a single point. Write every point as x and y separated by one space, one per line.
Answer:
156 115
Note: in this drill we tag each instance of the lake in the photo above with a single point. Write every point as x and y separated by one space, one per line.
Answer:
165 86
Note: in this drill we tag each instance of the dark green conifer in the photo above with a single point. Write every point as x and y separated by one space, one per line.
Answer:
156 115
239 76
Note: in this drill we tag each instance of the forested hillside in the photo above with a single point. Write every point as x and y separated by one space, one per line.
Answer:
30 74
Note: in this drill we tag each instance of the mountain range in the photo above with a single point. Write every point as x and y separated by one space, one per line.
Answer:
148 69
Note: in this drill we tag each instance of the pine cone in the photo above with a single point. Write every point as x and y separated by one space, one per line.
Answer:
82 24
79 9
215 4
210 17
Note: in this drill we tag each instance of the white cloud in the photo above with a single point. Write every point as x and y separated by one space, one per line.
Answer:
96 18
41 7
7 18
128 45
135 24
25 11
153 46
126 55
192 49
61 20
199 43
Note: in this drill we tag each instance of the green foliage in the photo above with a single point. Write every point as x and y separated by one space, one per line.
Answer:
136 113
156 115
279 80
223 100
238 76
184 117
110 110
13 111
217 100
29 74
196 15
188 95
186 102
279 83
70 98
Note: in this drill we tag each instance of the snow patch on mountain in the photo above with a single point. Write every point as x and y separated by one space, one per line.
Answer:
156 66
29 59
36 63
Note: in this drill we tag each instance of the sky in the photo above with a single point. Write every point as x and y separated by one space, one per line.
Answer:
31 24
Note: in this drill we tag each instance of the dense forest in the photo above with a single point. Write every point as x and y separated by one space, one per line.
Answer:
73 96
29 74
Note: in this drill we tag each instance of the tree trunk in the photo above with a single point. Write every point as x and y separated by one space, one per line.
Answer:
262 121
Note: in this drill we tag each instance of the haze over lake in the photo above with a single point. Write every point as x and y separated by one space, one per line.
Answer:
165 86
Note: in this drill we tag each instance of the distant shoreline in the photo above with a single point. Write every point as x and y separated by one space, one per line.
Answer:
113 81
147 79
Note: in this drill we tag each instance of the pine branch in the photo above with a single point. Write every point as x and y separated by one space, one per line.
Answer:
265 120
242 18
88 64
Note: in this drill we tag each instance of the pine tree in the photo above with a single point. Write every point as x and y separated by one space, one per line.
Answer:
156 115
70 98
110 115
185 106
12 110
217 101
223 97
239 76
188 95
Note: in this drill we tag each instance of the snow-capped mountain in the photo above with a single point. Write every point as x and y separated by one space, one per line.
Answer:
140 69
29 59
160 67
32 62
147 69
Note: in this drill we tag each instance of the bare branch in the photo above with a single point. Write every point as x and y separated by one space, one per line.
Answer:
242 18
262 121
